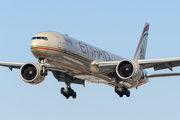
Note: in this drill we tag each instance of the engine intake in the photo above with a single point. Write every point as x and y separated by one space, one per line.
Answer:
128 70
125 69
31 73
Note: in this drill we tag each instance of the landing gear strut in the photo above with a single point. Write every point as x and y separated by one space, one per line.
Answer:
42 62
122 91
68 91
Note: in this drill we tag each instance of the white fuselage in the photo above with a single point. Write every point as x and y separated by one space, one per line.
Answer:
74 56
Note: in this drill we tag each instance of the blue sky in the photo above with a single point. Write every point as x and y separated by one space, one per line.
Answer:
114 26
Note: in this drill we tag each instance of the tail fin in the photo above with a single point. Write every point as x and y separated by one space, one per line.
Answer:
141 49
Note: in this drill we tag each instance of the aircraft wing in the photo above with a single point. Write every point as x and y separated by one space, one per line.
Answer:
106 67
52 68
159 64
11 65
17 65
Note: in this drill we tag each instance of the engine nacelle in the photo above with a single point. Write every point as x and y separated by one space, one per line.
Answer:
31 73
129 70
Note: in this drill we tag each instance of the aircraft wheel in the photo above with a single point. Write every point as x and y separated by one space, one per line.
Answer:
70 91
62 90
116 89
127 93
74 95
44 74
124 90
120 94
67 96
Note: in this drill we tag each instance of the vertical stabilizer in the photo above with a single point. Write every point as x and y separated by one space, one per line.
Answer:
141 49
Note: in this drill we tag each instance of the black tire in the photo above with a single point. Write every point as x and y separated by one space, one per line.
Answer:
62 90
74 95
116 89
70 92
46 73
121 94
124 89
67 96
127 93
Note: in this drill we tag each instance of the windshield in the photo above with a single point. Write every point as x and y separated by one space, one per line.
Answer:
39 37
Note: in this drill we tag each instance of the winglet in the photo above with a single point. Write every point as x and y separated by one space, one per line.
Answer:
141 49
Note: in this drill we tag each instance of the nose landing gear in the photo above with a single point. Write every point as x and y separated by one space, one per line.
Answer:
42 62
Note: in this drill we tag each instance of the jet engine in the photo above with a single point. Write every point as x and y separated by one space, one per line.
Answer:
31 73
129 70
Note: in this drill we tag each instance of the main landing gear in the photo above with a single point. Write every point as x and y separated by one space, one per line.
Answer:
122 91
120 88
68 91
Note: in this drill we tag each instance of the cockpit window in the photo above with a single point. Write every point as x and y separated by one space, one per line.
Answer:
33 38
39 37
45 38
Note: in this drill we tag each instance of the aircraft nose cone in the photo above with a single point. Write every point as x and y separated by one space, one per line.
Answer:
38 48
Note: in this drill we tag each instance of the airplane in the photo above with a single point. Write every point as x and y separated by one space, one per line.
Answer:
73 61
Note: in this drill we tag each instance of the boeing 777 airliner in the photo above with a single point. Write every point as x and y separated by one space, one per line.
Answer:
73 61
